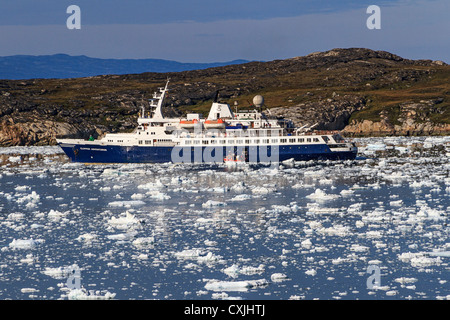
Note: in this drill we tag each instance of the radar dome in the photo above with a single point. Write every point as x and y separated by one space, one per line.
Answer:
258 101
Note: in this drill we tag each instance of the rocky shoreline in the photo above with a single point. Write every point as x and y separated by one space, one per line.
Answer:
369 128
413 119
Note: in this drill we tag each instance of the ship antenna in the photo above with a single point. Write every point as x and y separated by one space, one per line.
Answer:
216 96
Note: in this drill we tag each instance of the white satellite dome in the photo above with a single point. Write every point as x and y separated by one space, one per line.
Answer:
258 101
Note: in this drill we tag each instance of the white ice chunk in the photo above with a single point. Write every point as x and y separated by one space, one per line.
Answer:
60 272
143 241
198 255
311 272
127 204
320 195
404 280
123 222
278 277
234 271
55 215
212 203
397 203
241 197
122 236
87 237
263 190
347 192
440 253
419 259
235 285
306 244
25 244
83 294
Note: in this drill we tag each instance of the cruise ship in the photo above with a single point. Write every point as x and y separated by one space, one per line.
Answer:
224 136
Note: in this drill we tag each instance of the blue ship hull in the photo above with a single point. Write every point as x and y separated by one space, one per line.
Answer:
91 153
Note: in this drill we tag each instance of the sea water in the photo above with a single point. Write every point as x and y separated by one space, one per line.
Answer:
372 228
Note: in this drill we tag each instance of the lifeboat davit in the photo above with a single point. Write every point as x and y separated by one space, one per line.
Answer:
214 124
189 124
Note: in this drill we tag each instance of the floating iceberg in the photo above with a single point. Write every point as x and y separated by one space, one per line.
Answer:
127 204
25 244
212 203
320 195
235 285
60 272
124 222
83 294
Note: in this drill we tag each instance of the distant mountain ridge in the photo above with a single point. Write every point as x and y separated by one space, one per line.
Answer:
62 66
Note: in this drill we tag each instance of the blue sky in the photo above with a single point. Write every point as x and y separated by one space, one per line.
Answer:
210 30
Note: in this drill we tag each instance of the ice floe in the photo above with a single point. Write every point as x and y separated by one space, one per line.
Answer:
213 203
244 285
127 204
320 195
26 244
60 272
125 221
84 294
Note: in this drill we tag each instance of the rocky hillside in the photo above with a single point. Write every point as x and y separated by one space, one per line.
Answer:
360 91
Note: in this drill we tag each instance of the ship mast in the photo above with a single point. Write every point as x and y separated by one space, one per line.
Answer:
157 102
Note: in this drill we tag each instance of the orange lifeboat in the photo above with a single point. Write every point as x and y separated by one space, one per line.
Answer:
214 124
188 123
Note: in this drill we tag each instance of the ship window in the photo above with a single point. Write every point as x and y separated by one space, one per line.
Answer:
308 140
239 141
301 140
291 140
247 141
274 140
187 142
140 142
205 141
316 139
148 141
283 140
256 141
153 132
265 140
222 141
